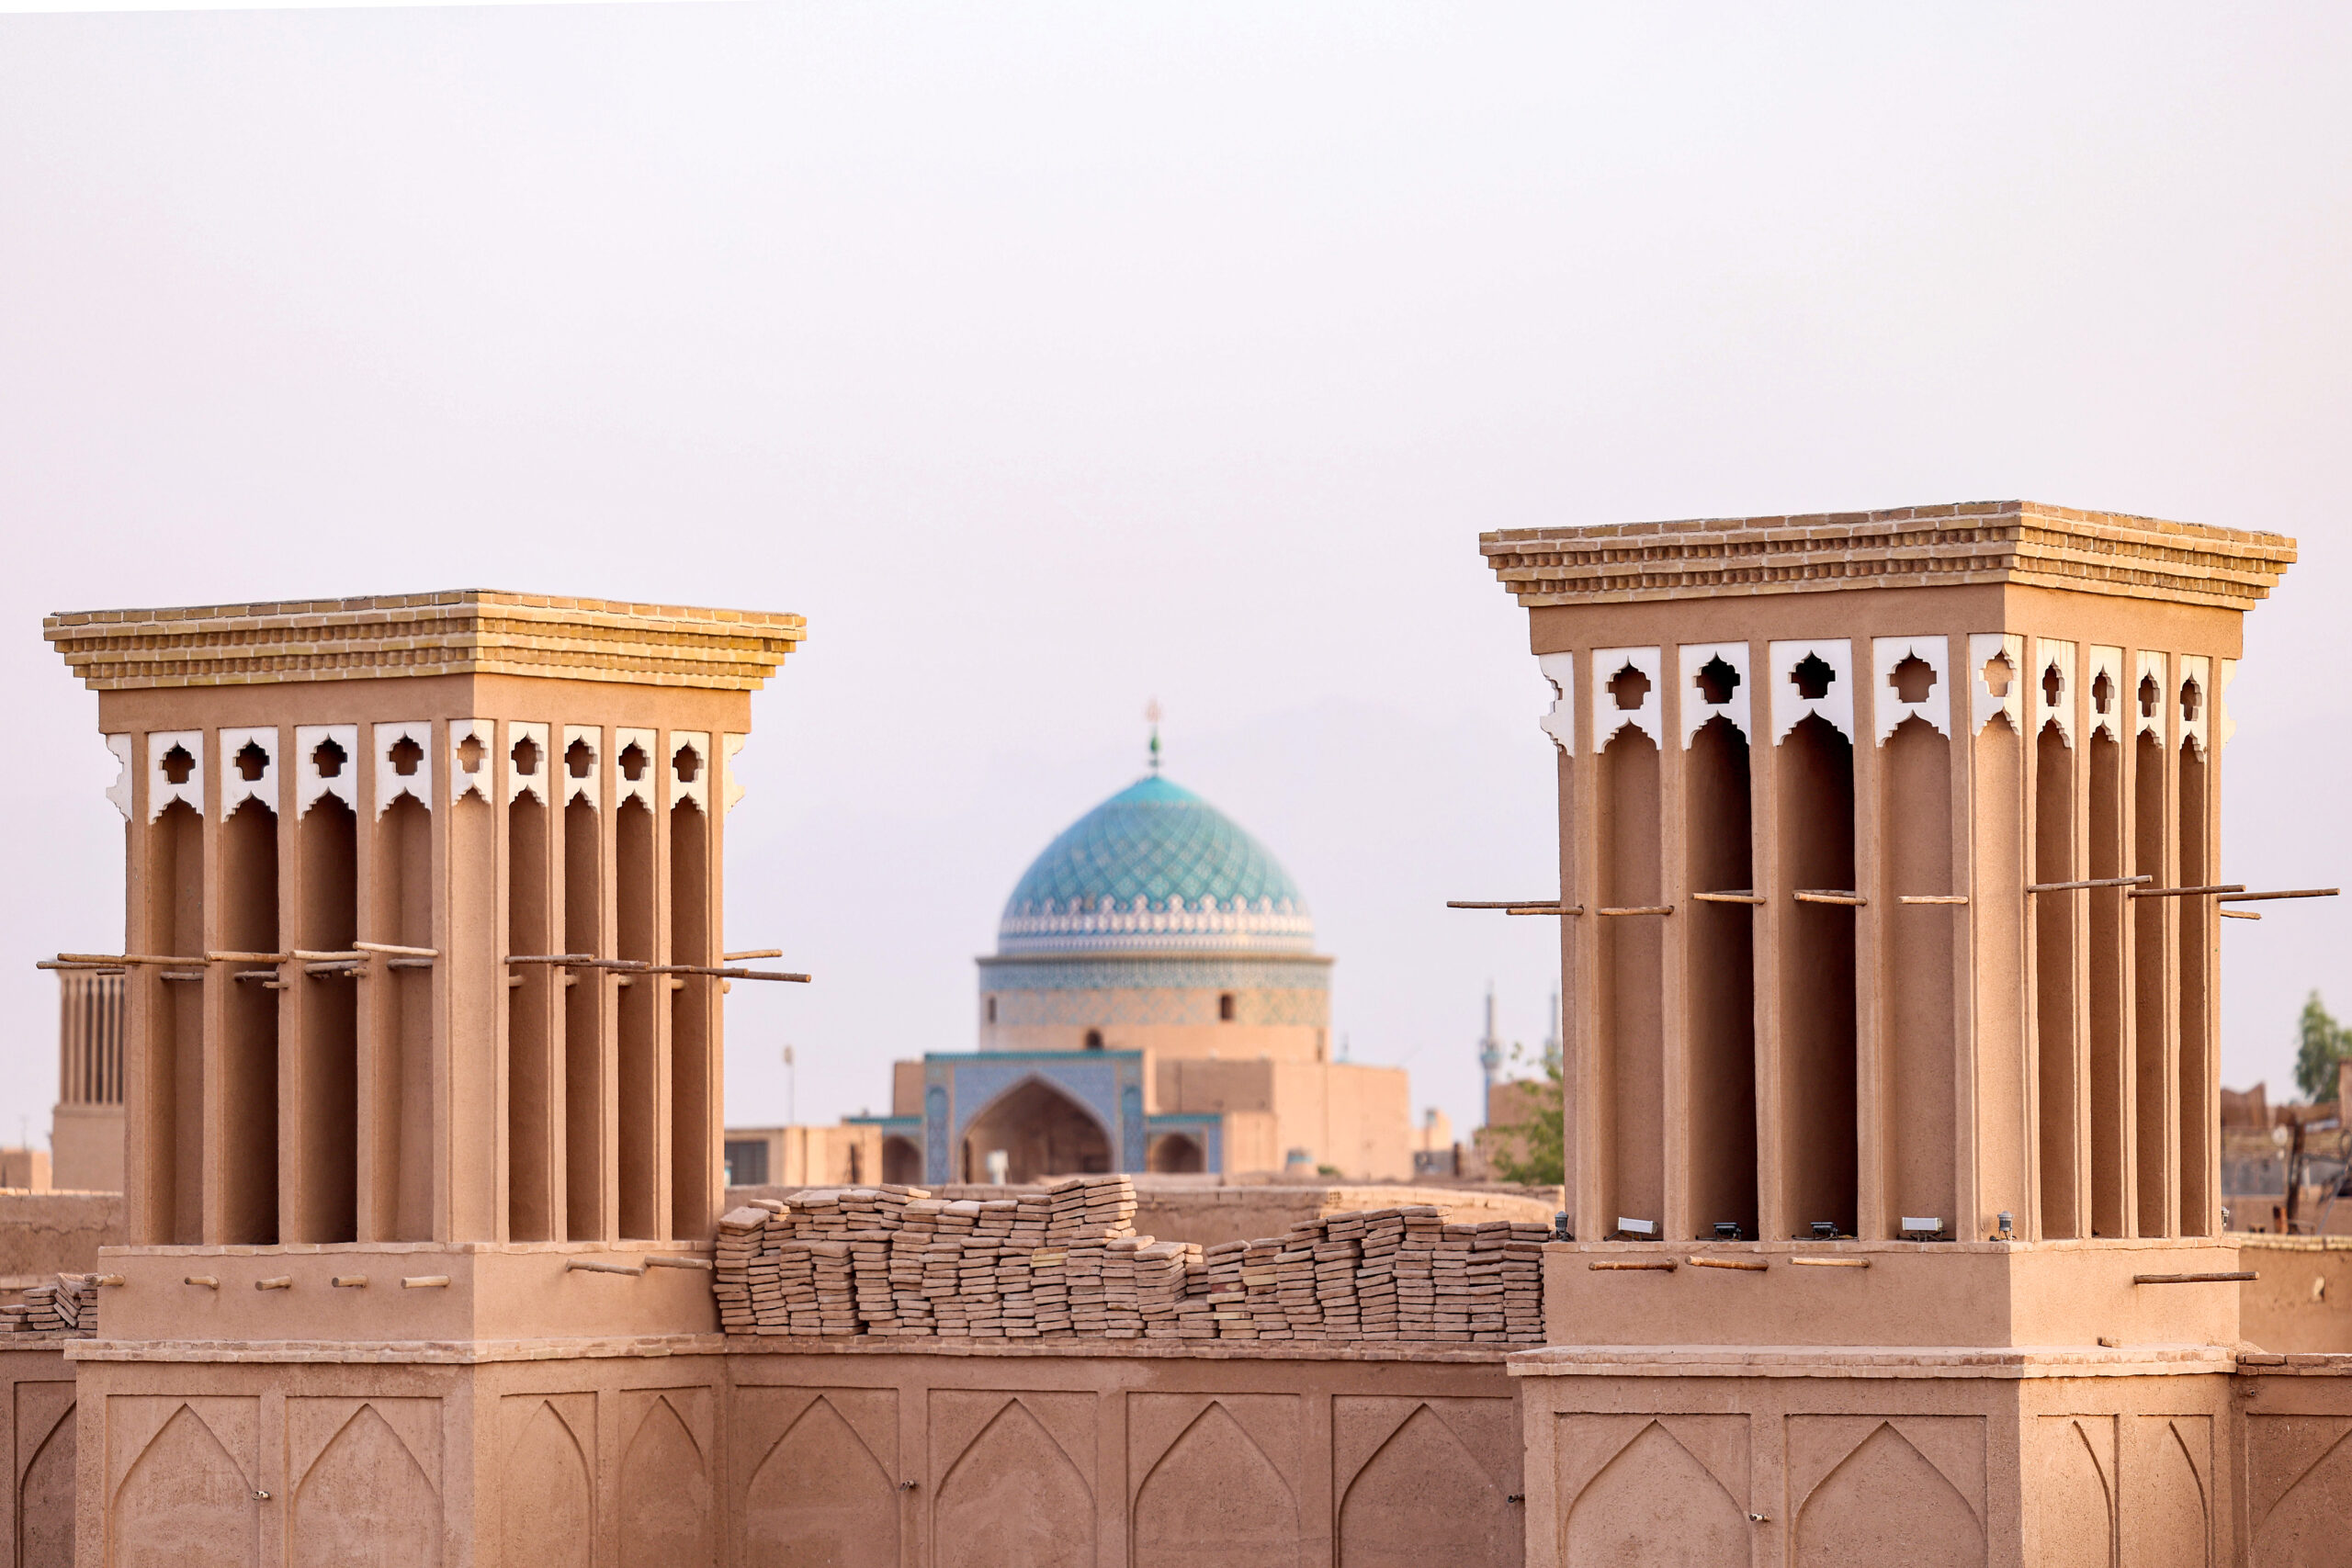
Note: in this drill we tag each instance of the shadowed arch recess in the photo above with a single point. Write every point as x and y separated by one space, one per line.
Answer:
822 1496
1043 1132
1216 1499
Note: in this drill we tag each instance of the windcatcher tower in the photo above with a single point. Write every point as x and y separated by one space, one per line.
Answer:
424 966
1849 805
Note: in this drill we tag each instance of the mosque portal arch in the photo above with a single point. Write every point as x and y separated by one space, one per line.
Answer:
1043 1132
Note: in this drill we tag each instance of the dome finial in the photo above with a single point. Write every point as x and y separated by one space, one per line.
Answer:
1151 717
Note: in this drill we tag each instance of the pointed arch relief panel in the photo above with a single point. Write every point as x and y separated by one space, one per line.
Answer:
1888 654
729 746
588 785
1620 698
46 1460
1013 1491
1217 1495
235 762
690 773
183 1476
393 743
1669 1489
546 1497
635 752
124 750
1907 1490
2192 699
311 779
2151 712
163 789
668 1509
1702 705
1560 722
1425 1492
2050 687
823 1492
1987 651
2299 1488
2070 1491
368 1497
546 765
2109 692
473 758
1789 701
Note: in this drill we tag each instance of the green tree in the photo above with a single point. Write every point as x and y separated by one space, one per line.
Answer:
2321 1044
1534 1152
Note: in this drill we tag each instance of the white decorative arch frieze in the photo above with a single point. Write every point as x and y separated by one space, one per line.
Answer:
1787 701
587 786
235 788
697 789
390 782
125 751
648 769
311 780
1699 708
2150 706
2226 671
161 790
2050 688
1560 723
2192 699
474 741
2107 713
1888 654
545 763
1984 648
1610 715
728 745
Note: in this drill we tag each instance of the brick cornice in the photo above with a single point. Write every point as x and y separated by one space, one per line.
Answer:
460 632
1911 547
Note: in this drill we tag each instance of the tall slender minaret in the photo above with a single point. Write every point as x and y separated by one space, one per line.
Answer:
1491 1059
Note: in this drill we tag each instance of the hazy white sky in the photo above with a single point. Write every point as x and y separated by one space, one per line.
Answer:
1051 357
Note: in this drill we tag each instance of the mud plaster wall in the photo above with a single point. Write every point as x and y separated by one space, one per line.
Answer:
52 1233
843 1458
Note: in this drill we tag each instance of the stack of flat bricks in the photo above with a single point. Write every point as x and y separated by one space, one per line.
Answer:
67 1305
1066 1263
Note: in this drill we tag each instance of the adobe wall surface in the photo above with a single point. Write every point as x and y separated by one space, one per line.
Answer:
2303 1301
697 1450
85 1142
54 1233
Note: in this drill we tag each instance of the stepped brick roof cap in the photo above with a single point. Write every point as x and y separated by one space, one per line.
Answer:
1910 546
466 631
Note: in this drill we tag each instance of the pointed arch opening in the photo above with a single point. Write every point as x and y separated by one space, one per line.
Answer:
1041 1131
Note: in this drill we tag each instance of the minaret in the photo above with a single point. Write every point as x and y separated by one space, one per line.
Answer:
1491 1059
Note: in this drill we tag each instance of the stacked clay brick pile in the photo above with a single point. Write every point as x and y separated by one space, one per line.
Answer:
1067 1264
68 1304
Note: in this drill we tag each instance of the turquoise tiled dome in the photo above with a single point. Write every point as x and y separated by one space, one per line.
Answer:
1155 867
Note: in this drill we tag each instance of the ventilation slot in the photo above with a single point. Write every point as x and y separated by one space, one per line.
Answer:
1816 959
173 1105
1722 1001
2196 941
693 1176
329 847
534 1078
638 1097
1921 1026
2151 1011
1632 978
2054 992
584 992
399 1092
2110 1062
249 1055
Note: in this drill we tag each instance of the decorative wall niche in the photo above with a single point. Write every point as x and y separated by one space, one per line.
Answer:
634 768
729 746
1812 678
2049 692
472 751
119 791
174 770
403 762
583 754
530 765
1996 679
2148 704
2111 695
1628 688
248 768
690 768
2193 696
1913 676
1716 683
326 762
1560 723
